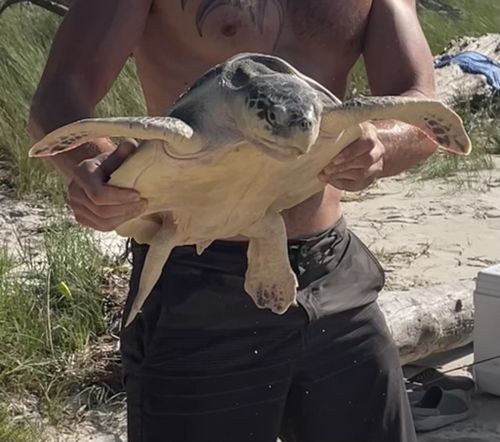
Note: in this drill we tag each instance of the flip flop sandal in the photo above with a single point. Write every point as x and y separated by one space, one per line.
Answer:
439 408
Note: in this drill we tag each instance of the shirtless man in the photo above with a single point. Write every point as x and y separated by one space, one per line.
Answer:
201 362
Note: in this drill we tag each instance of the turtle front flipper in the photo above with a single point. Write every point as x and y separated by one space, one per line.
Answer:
178 135
439 122
269 279
161 245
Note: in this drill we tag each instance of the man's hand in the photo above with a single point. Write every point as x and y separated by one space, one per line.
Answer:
359 164
96 204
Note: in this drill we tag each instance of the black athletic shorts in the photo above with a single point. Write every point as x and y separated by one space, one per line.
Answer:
202 363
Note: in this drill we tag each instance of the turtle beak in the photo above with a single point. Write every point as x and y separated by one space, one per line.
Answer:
302 132
303 142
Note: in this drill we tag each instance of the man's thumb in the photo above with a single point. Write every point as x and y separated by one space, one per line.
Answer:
125 148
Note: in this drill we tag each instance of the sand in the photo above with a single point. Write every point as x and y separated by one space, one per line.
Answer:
431 232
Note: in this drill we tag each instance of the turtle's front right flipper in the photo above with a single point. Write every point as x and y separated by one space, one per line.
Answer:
435 119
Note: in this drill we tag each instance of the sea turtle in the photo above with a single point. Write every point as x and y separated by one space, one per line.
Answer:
244 142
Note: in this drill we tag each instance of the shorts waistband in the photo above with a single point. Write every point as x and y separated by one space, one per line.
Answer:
338 229
296 245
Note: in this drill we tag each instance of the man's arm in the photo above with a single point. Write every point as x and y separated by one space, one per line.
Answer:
398 62
397 56
89 50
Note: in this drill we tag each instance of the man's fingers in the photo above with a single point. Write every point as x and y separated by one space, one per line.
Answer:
91 175
354 173
365 143
348 185
362 162
90 220
105 195
79 201
118 156
351 185
360 148
104 217
96 204
102 194
99 193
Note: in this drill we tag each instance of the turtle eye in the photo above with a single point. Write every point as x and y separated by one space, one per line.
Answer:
271 117
239 78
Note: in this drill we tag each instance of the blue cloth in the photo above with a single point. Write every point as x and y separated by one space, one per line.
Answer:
473 62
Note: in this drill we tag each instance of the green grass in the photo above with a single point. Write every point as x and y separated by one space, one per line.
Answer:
49 315
18 431
472 18
25 37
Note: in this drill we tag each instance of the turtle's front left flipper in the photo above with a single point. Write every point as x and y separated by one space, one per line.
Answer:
269 279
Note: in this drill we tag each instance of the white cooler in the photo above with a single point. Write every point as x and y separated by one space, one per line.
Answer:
487 330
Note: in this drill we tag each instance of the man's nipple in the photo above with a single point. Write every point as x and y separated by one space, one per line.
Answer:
230 29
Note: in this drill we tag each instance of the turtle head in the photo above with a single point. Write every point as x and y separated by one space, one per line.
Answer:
273 108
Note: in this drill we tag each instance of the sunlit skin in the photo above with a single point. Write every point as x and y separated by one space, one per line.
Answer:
322 38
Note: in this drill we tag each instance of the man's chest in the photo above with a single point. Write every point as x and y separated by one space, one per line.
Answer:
228 25
338 23
184 38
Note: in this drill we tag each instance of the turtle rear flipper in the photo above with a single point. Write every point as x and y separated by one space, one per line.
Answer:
269 279
161 246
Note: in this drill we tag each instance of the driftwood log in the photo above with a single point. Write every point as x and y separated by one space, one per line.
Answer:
429 320
452 84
